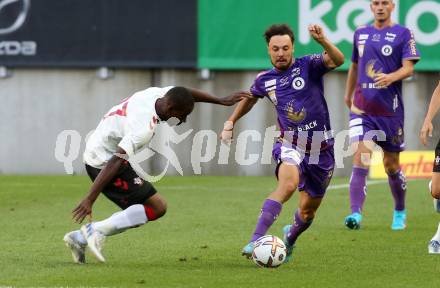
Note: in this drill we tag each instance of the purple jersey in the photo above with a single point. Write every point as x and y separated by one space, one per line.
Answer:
298 96
381 51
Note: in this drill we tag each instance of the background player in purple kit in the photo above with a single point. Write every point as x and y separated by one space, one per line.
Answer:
434 185
295 88
384 53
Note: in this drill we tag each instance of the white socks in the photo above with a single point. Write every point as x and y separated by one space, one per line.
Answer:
131 217
120 221
437 235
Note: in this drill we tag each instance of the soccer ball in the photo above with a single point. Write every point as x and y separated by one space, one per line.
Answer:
269 251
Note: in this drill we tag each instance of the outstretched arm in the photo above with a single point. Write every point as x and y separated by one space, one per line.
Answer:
434 105
201 96
351 84
333 57
242 108
104 177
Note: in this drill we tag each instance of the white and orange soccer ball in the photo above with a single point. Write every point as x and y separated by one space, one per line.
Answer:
269 251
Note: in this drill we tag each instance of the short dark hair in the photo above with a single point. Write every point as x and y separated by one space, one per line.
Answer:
180 98
278 29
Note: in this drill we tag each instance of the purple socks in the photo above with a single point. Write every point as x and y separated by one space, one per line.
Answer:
269 213
358 188
297 228
398 189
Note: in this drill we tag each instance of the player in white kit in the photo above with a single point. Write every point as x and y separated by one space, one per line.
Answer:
124 131
434 185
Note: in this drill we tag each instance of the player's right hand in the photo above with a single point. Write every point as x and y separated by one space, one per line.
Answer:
83 209
427 129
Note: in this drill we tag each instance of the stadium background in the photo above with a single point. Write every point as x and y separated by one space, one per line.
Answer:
65 63
51 80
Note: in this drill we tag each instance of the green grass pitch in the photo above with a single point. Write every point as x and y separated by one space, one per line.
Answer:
198 242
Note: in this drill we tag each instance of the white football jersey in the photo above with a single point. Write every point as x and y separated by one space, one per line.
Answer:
128 125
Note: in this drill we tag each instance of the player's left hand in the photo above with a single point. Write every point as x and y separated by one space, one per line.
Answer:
83 209
235 97
383 80
426 130
227 133
316 32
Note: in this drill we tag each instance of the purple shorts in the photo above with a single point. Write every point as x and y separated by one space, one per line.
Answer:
316 169
387 132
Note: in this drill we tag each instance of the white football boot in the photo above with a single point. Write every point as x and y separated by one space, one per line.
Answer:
95 241
78 250
434 247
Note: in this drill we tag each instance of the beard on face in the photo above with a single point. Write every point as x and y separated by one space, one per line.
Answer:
282 65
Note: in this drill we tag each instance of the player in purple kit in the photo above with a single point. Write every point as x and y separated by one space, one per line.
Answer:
295 88
384 53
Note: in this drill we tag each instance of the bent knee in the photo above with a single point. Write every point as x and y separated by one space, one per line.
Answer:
161 209
434 186
156 209
391 165
290 187
392 169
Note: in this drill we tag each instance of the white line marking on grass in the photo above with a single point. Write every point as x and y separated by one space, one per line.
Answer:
347 185
50 185
203 187
371 182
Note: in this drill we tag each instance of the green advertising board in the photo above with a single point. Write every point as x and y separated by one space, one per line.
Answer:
231 31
